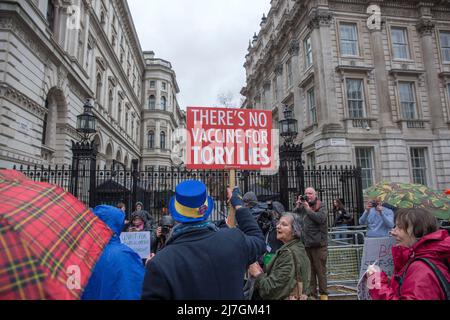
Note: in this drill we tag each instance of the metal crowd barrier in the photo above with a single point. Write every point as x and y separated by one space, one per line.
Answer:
345 249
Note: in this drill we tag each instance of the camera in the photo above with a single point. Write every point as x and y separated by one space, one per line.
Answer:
303 198
165 230
374 204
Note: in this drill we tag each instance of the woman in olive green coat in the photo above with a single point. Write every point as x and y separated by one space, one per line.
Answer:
289 265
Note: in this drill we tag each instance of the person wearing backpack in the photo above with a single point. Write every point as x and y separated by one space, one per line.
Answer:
421 258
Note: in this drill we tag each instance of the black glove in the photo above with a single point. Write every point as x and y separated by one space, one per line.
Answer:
236 197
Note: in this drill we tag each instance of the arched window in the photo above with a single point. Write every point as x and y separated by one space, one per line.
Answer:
152 102
151 139
163 103
163 140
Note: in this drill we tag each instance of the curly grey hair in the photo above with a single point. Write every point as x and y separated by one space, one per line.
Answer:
296 223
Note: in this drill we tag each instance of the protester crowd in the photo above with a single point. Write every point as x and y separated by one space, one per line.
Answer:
270 254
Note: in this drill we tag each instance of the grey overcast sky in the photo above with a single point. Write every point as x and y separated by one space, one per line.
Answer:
205 41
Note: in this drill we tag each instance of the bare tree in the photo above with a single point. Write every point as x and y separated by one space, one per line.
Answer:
225 100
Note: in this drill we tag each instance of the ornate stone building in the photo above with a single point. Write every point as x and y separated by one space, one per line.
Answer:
53 55
161 114
368 81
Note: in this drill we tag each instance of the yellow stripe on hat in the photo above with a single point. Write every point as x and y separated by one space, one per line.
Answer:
187 211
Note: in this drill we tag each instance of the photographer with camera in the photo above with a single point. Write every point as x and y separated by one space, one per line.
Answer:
159 238
315 237
379 219
267 215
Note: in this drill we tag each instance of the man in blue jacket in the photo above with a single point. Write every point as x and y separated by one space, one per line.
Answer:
199 260
379 220
119 273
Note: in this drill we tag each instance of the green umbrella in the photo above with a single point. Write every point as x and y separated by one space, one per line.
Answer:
409 195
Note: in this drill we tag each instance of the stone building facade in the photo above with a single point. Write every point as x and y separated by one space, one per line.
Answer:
53 55
368 81
161 114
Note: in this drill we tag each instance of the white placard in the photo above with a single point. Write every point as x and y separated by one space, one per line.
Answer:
138 241
380 250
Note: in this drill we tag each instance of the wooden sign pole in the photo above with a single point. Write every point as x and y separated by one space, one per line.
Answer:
231 218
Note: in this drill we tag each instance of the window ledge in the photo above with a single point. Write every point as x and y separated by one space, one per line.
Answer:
413 123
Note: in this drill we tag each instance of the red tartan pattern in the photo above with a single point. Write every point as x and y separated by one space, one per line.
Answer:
43 231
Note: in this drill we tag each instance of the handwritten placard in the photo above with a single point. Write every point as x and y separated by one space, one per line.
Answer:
380 250
138 241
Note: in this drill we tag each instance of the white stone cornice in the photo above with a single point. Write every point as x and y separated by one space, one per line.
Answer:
14 96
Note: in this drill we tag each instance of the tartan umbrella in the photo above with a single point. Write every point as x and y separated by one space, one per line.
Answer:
49 241
409 195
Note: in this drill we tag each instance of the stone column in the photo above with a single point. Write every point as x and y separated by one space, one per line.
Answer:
381 78
425 29
323 70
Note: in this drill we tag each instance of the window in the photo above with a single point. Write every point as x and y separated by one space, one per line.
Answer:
289 73
51 15
152 84
44 125
448 91
119 115
348 39
126 122
407 100
445 46
364 160
152 102
418 165
399 43
110 102
151 139
312 106
163 140
98 92
355 100
308 52
164 86
163 103
275 90
311 159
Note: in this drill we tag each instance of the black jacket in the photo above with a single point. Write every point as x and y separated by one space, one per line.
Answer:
205 264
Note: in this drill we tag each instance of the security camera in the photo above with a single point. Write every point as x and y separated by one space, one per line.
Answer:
367 128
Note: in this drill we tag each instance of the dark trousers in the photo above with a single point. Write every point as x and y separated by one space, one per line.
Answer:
318 258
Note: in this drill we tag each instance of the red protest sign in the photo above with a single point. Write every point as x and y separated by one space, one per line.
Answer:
220 138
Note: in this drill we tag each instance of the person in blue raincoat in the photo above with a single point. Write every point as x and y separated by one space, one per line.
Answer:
119 273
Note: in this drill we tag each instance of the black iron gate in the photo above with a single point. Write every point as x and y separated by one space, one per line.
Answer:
155 187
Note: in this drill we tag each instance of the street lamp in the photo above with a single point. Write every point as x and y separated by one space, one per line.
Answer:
291 166
86 122
85 152
288 126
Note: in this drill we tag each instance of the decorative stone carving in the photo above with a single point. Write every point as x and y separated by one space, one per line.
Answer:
294 48
425 27
23 101
278 69
320 18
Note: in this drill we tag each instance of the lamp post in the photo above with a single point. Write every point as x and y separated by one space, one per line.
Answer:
85 150
291 166
288 126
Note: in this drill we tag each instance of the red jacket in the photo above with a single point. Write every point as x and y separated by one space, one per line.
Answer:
420 282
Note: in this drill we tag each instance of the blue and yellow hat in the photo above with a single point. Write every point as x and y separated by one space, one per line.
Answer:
190 202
